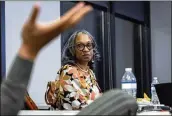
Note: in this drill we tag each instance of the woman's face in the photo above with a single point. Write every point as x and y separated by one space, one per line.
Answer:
84 48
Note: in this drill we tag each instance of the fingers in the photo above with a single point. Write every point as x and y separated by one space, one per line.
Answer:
72 11
68 20
34 13
73 20
79 15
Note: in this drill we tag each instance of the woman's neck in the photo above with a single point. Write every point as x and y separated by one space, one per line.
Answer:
83 65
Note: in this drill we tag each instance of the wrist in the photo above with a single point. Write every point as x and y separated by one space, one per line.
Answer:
26 53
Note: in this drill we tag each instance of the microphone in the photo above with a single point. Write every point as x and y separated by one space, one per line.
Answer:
112 102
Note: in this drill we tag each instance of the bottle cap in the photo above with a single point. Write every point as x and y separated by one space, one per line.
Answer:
128 69
155 77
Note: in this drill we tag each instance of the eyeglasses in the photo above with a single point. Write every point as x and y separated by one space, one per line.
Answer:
81 46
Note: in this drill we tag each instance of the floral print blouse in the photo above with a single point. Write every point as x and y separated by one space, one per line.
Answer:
75 89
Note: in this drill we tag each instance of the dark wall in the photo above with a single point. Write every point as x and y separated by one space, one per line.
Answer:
101 3
2 37
132 9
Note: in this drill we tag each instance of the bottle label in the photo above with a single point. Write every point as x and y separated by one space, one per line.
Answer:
129 85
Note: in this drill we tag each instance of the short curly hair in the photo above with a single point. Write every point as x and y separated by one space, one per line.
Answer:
68 52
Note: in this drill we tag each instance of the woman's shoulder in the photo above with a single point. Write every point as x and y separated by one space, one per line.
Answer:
68 68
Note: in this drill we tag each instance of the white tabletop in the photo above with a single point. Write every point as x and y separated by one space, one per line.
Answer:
154 113
48 112
44 112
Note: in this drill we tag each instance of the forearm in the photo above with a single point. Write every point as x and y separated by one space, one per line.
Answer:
14 86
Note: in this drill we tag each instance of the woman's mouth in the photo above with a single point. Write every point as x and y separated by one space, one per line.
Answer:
86 55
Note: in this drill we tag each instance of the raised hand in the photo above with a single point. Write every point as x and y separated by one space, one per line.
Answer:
36 35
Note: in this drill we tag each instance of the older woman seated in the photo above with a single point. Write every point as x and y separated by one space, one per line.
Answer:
76 86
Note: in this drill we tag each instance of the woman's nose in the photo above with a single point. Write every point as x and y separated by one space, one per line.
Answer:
86 49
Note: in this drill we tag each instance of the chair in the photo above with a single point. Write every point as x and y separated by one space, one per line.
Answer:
29 104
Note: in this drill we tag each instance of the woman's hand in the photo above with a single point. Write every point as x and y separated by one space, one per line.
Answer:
36 35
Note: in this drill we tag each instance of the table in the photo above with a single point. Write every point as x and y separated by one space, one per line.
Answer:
154 113
49 112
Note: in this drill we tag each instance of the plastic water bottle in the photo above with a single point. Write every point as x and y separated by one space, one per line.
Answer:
128 82
154 96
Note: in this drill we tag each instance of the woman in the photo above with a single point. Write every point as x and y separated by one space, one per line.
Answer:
76 85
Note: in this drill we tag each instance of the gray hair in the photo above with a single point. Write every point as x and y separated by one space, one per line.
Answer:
68 52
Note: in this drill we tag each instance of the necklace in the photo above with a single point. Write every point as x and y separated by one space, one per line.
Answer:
81 68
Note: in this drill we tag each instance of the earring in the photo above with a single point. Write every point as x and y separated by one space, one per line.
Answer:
92 61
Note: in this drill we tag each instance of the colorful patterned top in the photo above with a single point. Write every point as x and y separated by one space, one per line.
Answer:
75 89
